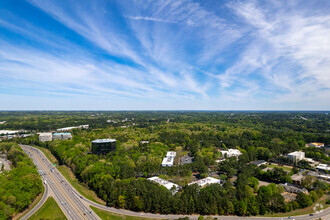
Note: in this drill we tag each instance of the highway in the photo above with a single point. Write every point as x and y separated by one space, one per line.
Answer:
74 205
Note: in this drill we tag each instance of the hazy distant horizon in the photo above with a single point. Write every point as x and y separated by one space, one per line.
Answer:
165 55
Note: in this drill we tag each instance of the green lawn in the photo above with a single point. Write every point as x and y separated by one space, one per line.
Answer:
104 215
283 167
49 211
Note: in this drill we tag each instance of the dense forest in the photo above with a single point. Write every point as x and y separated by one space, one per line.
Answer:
119 177
19 186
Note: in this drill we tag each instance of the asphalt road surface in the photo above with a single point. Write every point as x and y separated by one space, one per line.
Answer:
75 203
69 202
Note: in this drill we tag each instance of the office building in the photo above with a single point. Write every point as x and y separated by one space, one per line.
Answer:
296 156
231 153
169 159
167 184
103 146
43 137
62 136
206 181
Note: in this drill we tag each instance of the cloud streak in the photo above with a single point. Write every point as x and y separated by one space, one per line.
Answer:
241 54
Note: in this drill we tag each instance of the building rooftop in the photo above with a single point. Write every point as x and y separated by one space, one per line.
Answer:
104 140
206 181
45 134
296 153
297 177
171 154
167 161
258 162
323 167
67 133
167 184
316 144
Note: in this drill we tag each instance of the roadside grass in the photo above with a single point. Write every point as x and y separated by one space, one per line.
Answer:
49 210
322 201
105 215
81 188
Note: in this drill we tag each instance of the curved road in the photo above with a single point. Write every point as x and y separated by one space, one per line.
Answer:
40 203
71 205
82 201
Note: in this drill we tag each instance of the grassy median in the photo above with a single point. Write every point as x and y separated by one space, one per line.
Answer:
49 210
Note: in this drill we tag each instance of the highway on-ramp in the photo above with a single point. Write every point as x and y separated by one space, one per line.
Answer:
71 205
77 204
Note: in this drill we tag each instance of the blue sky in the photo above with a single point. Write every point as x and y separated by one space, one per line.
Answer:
164 55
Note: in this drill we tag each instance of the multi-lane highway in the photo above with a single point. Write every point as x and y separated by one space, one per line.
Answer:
76 206
72 206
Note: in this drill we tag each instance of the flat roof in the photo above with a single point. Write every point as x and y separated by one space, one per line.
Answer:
296 153
297 177
163 182
45 134
104 140
171 154
67 133
206 181
258 162
167 161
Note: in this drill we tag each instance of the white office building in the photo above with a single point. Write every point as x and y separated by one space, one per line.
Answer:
206 181
296 156
167 184
62 136
75 127
168 161
231 153
43 137
323 167
171 154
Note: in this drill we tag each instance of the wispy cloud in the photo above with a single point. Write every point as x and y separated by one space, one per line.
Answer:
239 54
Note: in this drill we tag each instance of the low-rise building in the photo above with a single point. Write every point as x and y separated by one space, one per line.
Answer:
315 144
296 179
206 181
231 153
293 189
168 161
169 185
259 162
2 122
62 136
171 154
74 127
43 137
323 167
296 156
